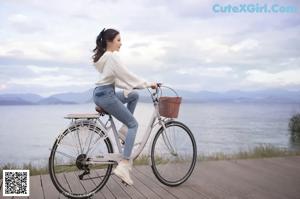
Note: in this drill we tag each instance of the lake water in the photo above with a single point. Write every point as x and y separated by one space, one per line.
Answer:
28 132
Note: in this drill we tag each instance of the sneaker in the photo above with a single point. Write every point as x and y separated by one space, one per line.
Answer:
122 133
122 171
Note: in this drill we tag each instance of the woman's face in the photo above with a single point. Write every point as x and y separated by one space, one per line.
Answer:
114 45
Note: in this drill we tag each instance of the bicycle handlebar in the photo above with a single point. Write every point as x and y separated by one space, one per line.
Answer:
158 91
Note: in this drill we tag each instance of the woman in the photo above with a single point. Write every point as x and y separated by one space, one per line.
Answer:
115 74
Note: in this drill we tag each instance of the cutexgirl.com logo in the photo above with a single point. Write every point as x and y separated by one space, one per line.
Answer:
254 8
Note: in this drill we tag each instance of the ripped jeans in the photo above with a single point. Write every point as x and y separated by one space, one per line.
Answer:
113 103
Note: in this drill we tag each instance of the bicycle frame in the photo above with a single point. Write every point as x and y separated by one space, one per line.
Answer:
111 158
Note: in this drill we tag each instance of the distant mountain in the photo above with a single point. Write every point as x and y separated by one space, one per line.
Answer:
82 97
237 96
53 100
14 101
29 97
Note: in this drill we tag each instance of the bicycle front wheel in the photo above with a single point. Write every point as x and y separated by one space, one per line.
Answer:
69 166
173 154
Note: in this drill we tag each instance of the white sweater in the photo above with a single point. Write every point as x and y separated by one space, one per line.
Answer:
113 71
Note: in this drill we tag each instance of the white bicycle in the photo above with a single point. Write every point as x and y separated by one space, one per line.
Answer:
83 156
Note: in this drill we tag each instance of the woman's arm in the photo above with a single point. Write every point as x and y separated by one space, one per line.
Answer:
126 77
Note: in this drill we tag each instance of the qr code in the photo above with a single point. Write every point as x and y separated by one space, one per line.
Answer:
15 182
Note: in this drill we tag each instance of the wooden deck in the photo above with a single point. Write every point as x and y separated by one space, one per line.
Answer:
260 178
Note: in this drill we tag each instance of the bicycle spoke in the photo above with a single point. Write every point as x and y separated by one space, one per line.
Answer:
173 154
73 136
69 157
94 144
81 149
92 136
68 144
66 155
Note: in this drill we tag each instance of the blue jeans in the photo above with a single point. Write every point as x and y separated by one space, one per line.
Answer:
113 103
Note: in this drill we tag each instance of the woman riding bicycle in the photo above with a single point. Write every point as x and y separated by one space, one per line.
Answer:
115 74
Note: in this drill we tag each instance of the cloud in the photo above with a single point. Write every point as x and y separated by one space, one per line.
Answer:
248 44
50 81
44 50
208 72
40 70
181 43
3 87
24 24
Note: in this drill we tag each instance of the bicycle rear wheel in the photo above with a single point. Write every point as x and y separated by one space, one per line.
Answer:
173 154
69 169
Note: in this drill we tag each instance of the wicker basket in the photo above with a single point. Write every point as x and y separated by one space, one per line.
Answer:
169 106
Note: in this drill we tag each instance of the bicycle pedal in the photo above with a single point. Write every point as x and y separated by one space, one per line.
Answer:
122 142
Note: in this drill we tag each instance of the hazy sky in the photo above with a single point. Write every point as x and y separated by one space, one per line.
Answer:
46 46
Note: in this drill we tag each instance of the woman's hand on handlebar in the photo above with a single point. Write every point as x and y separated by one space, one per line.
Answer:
155 85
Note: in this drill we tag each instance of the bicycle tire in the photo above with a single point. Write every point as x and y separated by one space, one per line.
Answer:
68 182
173 168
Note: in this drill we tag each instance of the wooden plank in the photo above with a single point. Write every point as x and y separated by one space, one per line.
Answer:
130 190
105 191
94 181
152 184
89 182
62 180
143 188
242 179
6 197
271 179
1 190
50 192
35 184
116 189
295 159
253 178
257 178
290 163
278 170
207 187
74 183
218 177
202 185
176 192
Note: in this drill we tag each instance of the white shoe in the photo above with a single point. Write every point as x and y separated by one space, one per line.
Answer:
122 171
123 132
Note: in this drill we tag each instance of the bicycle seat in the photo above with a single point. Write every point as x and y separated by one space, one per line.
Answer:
100 110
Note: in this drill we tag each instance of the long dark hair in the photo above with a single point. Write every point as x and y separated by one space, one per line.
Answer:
101 42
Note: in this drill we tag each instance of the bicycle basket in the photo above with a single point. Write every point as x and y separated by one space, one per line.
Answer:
169 106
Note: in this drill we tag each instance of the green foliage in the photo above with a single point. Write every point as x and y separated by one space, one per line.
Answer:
142 160
294 124
33 170
262 151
